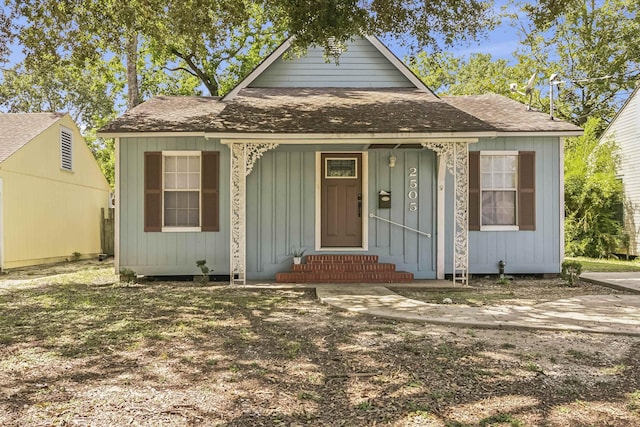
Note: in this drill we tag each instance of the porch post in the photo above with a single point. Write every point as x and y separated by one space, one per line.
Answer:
243 157
454 155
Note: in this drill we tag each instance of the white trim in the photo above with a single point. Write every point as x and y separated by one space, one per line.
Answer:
441 219
180 229
499 228
116 246
147 134
365 203
266 63
499 152
311 138
561 195
400 66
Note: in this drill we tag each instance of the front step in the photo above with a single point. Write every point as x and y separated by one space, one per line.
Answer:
344 269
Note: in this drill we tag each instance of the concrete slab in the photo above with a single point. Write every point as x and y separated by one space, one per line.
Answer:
628 281
611 314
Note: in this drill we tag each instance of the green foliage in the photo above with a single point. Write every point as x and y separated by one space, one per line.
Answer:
593 196
571 271
75 256
127 275
297 252
202 265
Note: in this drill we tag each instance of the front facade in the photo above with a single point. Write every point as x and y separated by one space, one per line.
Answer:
51 191
625 131
357 158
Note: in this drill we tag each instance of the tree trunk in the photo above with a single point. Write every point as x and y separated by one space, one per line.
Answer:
133 92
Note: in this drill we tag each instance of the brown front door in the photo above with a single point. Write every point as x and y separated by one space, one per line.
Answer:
341 200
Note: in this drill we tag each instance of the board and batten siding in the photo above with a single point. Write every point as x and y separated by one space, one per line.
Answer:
625 131
281 209
360 66
532 252
168 253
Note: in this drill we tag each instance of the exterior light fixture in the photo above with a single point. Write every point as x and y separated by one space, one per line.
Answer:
392 161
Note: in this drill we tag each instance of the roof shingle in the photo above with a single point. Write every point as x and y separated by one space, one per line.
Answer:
17 129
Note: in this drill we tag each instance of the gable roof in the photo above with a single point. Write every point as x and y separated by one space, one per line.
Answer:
607 130
18 129
282 49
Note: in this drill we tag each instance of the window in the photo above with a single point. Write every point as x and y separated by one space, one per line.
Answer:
66 146
181 186
498 181
181 191
341 168
502 190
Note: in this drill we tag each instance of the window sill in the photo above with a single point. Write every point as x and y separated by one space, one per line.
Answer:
181 229
499 228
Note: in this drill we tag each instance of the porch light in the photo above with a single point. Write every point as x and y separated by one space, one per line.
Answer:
392 161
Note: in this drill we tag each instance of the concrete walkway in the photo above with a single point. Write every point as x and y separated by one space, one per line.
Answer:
612 314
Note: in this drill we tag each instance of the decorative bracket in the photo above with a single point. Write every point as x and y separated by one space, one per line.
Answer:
243 157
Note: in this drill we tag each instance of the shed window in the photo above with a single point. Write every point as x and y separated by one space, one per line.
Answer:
181 191
498 181
66 149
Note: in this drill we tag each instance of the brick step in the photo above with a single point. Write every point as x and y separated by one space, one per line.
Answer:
344 277
341 259
316 267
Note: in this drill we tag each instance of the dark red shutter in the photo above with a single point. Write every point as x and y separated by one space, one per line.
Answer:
210 191
153 191
474 190
527 190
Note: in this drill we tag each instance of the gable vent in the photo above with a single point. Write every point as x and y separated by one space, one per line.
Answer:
66 150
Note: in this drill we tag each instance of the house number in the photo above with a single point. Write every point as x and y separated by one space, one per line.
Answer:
413 192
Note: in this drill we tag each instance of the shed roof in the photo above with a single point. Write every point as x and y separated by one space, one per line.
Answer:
17 129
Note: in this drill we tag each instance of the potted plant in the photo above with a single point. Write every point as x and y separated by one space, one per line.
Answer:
297 255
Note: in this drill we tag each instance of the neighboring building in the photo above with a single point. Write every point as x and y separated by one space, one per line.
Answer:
51 191
347 159
625 131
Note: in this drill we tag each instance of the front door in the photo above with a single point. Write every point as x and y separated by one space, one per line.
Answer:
341 200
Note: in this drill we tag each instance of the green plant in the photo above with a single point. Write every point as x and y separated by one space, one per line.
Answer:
202 265
127 275
297 252
571 271
75 256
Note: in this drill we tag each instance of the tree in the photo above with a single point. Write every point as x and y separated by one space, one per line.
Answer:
594 47
593 195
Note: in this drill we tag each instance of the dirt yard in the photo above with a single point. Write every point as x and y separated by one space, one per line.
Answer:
80 349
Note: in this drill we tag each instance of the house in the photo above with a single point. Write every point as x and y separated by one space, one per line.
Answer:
356 162
625 131
51 191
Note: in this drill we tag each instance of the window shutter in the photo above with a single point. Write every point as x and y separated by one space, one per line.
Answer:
527 190
153 191
210 191
474 190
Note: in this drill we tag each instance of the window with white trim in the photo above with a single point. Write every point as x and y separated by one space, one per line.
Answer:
66 149
499 189
181 189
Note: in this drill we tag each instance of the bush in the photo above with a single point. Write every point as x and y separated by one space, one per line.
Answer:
571 271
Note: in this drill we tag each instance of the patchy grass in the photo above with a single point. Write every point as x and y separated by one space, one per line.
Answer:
607 265
84 350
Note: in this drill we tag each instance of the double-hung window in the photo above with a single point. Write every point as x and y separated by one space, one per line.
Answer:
181 191
502 190
499 187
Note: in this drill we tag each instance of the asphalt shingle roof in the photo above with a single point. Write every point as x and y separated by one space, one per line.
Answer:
507 115
17 129
334 110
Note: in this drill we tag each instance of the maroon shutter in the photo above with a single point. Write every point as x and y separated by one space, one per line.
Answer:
527 190
474 190
210 191
153 191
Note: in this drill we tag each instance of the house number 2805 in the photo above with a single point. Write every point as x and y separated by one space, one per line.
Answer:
412 194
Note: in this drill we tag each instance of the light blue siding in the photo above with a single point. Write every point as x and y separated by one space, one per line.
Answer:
535 251
281 211
362 65
167 253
